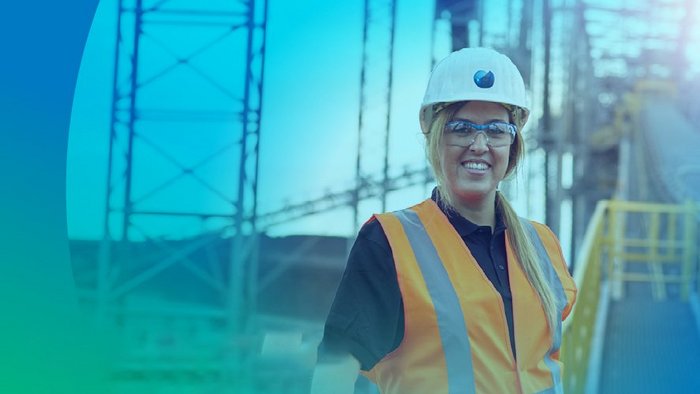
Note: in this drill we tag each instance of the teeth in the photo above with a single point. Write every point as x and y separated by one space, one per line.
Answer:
475 166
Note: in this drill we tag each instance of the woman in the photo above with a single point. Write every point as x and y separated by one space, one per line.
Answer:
456 294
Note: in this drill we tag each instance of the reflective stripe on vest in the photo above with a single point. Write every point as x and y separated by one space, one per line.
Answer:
560 299
460 376
446 295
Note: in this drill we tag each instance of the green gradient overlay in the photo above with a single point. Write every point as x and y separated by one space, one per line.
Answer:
46 344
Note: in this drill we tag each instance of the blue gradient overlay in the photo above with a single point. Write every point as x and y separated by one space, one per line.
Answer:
45 344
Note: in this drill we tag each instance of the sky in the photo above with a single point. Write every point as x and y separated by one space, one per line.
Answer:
310 113
309 122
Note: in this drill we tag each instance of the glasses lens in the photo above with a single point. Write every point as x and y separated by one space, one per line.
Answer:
464 133
499 134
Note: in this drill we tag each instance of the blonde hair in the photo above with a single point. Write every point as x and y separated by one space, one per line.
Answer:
519 240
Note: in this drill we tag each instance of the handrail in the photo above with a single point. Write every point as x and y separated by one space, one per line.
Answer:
649 207
662 240
577 332
605 238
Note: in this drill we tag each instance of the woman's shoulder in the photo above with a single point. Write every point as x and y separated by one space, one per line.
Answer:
371 249
372 230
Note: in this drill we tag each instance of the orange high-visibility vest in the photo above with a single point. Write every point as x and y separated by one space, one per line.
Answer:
456 337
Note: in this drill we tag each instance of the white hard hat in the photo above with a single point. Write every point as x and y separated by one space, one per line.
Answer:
473 74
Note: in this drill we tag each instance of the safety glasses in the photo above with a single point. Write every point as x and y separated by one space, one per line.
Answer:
462 132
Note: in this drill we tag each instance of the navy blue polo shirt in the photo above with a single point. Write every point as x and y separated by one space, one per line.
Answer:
366 318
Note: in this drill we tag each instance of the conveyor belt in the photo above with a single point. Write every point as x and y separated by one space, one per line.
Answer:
654 346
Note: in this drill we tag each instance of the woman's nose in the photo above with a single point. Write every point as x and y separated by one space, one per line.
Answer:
480 142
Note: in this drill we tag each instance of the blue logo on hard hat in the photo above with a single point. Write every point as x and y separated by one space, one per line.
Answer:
483 79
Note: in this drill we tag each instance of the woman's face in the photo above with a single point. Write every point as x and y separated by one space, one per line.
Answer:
472 173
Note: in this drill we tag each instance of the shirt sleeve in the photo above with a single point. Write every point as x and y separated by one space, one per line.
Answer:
366 318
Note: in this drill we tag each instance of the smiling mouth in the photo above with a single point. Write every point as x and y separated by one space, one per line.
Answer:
478 166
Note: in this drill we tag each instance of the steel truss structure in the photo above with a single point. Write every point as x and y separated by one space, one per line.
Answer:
186 108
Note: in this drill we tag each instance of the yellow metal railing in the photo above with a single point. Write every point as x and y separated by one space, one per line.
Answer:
578 328
646 233
659 239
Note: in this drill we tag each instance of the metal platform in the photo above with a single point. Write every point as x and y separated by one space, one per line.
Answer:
650 346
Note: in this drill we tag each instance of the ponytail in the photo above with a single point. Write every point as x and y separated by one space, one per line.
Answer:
527 258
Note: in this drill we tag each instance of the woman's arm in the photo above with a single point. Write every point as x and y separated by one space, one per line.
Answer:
365 321
336 375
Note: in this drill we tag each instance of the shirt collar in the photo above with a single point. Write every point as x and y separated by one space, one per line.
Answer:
463 225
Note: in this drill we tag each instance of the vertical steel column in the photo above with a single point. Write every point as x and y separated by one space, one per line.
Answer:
244 248
359 183
524 37
133 115
480 18
547 140
582 87
378 36
389 88
105 250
